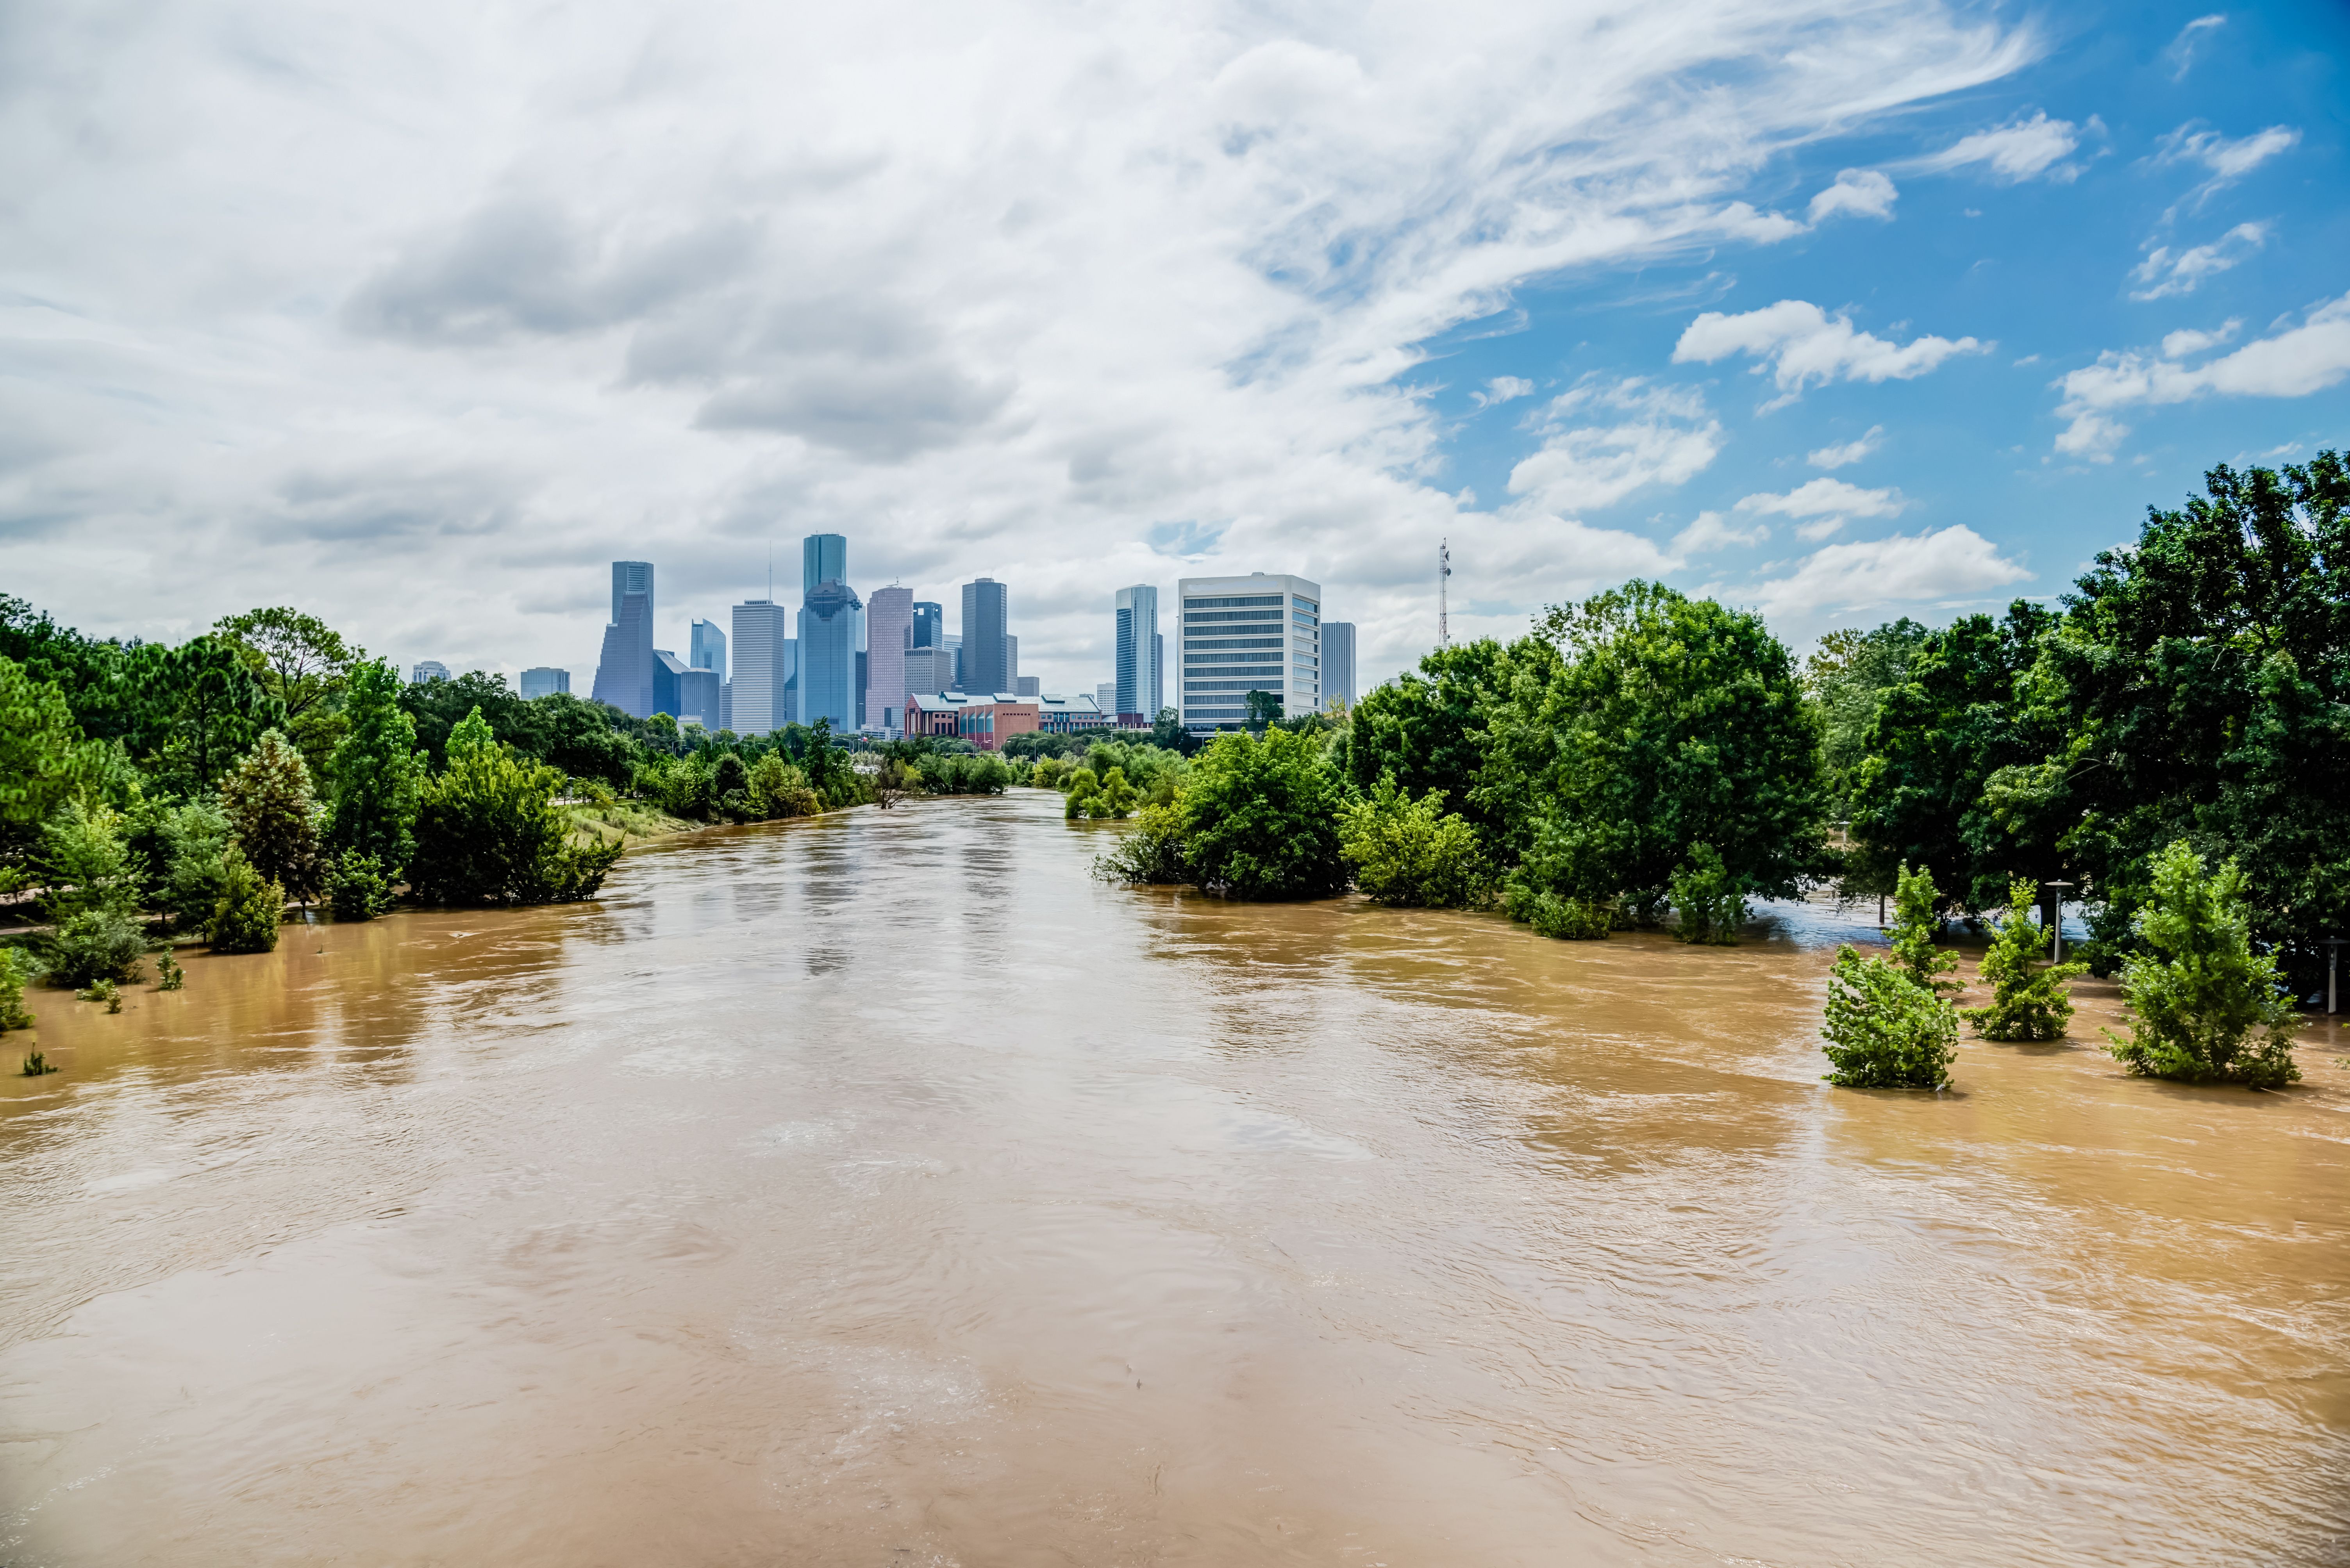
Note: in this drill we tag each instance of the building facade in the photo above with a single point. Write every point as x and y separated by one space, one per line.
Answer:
632 577
929 671
1258 633
624 669
1059 715
889 635
831 621
986 663
428 670
823 558
930 627
545 680
705 649
1338 663
1139 681
763 669
985 722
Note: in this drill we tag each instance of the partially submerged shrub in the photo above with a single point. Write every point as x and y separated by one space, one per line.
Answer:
357 888
37 1063
15 970
1103 798
1413 852
1884 1029
1709 902
104 991
1152 851
2201 993
1917 921
488 830
102 944
170 975
246 916
2029 998
1553 915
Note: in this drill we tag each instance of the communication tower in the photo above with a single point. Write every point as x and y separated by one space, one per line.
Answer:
1443 578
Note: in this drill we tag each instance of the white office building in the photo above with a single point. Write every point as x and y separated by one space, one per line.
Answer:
1257 633
757 701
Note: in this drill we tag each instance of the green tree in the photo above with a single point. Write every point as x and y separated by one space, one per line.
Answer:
777 789
357 887
305 665
249 910
2029 998
1846 679
92 890
2201 992
1884 1031
193 840
488 830
1152 852
1260 817
45 761
1413 853
1432 729
276 818
1917 921
377 771
1263 708
218 712
14 970
1709 906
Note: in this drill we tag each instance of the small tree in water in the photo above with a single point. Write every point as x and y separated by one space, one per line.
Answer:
1413 853
1917 919
1884 1029
1707 899
2029 1000
2201 992
250 909
268 801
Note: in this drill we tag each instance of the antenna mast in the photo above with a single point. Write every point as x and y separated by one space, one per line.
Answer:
1443 607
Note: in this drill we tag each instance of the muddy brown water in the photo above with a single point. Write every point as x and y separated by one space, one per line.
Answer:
881 1190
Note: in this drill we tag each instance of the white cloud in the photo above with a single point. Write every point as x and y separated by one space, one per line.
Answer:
2181 53
2294 363
1939 565
1848 453
1603 442
2165 272
1501 390
1864 193
483 299
1803 345
2187 341
2023 150
2227 160
1710 530
1830 500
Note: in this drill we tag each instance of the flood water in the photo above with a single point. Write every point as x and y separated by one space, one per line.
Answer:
880 1190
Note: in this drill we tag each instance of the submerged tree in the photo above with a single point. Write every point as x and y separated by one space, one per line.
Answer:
1260 817
268 801
2201 992
1708 904
488 830
2029 997
1884 1031
1413 853
1917 921
249 910
377 771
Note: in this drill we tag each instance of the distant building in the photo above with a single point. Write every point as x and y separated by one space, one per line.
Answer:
830 621
930 627
1138 644
758 695
985 722
667 668
1257 633
954 646
1011 664
927 670
986 635
823 558
428 670
624 670
540 681
1029 685
1057 715
631 577
889 636
706 649
700 700
1106 696
1338 663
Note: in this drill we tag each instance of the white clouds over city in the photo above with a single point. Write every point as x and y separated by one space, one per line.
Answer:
1802 345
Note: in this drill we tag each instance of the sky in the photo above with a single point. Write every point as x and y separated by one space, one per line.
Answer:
416 318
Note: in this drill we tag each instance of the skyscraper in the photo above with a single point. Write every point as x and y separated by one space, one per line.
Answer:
1257 633
986 626
763 667
1338 662
888 631
828 675
930 629
1106 697
1138 651
1012 663
428 670
545 680
632 577
707 649
823 558
624 670
929 672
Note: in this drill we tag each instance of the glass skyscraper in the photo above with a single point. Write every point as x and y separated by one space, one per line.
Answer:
1338 662
707 649
986 628
823 558
832 636
930 628
1138 677
624 670
763 669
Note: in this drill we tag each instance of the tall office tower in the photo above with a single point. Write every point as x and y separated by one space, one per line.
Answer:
888 633
823 558
699 700
930 671
955 647
1012 663
986 624
1257 633
763 667
624 672
707 649
1158 675
1028 686
1338 662
545 680
1106 696
830 622
930 628
1138 651
667 668
428 670
632 577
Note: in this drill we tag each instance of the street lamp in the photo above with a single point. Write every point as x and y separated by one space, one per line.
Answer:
2056 915
2332 946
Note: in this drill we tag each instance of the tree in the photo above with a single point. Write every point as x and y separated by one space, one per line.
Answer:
1413 853
2029 999
188 862
44 758
1708 905
14 970
1263 708
1432 730
1671 722
218 710
1917 921
269 804
488 830
1260 817
92 890
1883 1030
249 910
1847 678
2201 992
305 665
357 887
377 771
1152 852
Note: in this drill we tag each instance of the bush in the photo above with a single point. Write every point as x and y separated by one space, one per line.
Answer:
1413 853
267 798
192 843
15 969
1552 915
169 976
1104 798
777 789
1260 817
2199 992
357 888
246 916
1884 1029
1707 899
980 774
93 945
85 861
488 830
1917 921
2028 1001
1152 852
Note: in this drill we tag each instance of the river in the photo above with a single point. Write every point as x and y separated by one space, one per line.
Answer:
879 1190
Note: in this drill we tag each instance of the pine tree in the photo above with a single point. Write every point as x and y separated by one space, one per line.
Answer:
2201 992
376 772
276 818
2029 1000
250 909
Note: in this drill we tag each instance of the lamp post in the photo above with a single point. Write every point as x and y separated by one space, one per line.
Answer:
2056 915
2332 946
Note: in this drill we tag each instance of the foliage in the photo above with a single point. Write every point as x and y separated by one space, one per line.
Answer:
93 944
270 807
85 861
893 780
1152 851
249 910
188 862
1884 1031
2201 992
983 773
15 970
1109 796
1671 722
2029 999
219 710
1413 853
102 989
1566 919
1432 729
777 789
1846 679
1917 921
169 974
1260 817
302 663
1263 708
37 1063
377 771
488 830
357 887
44 759
1708 904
